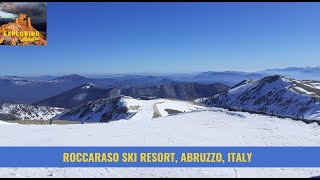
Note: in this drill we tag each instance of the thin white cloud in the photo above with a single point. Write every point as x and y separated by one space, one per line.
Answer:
7 15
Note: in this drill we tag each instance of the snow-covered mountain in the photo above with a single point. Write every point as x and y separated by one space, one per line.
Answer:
106 110
28 112
273 94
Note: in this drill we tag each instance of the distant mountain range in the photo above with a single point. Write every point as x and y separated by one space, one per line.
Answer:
89 92
273 95
306 73
226 77
27 90
234 77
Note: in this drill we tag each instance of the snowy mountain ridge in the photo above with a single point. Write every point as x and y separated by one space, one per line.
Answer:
28 112
124 107
273 94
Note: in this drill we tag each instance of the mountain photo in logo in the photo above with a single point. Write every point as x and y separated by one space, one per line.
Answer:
23 23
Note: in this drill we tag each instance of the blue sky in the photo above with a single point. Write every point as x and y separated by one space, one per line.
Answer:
106 38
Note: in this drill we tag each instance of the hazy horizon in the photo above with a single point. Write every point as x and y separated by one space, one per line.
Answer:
140 73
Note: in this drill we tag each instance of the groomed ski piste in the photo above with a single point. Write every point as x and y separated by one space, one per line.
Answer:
196 126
